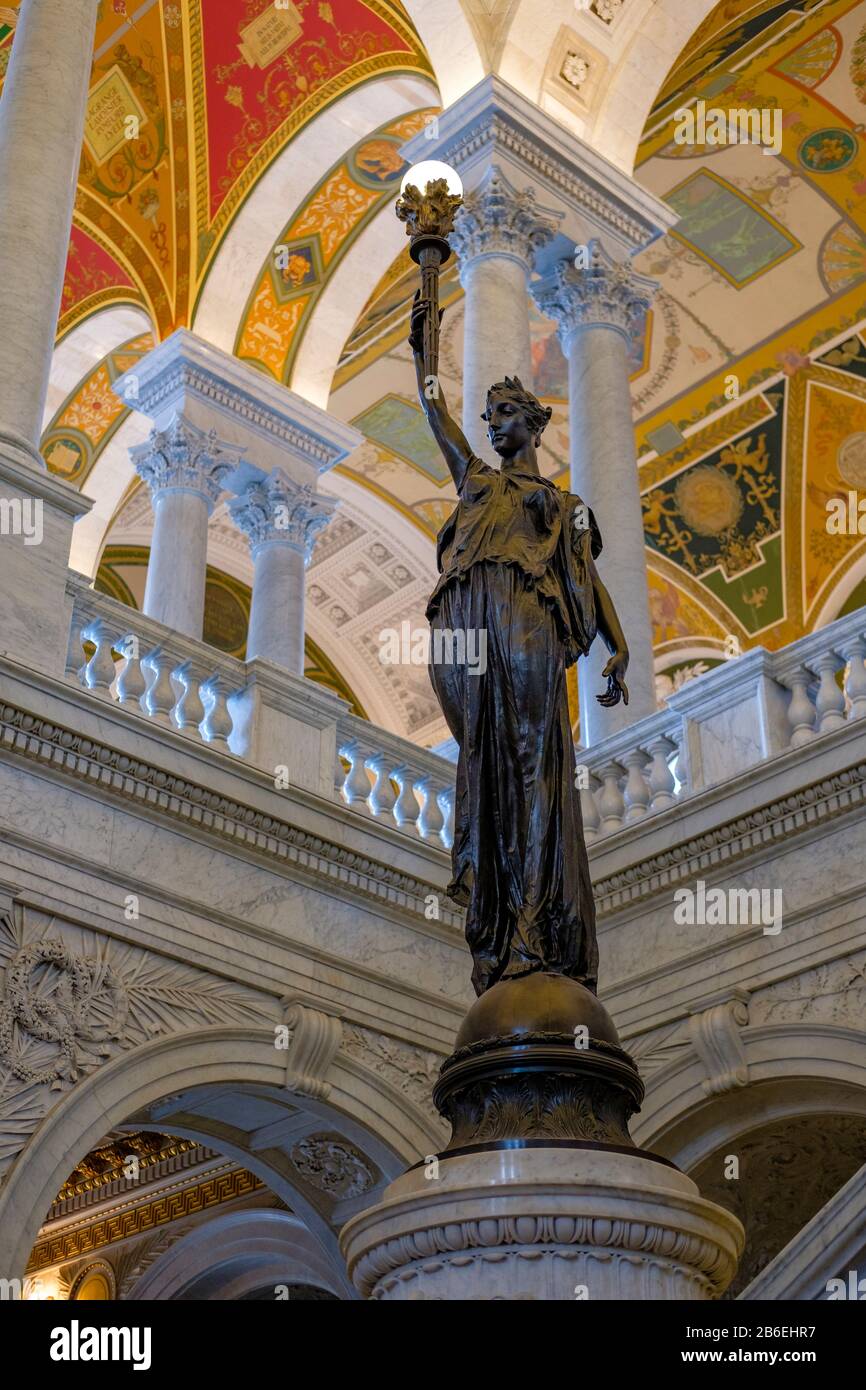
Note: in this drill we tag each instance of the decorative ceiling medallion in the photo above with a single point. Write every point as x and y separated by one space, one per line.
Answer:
332 1165
709 501
827 151
575 69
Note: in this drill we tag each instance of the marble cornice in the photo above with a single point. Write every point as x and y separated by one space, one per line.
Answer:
493 122
773 823
199 807
135 780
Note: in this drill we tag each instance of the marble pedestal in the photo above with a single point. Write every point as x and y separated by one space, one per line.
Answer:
560 1222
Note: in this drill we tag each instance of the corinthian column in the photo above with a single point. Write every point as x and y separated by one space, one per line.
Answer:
281 519
496 234
41 128
184 468
595 310
41 125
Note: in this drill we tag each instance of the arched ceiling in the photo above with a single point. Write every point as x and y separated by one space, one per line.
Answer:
262 127
191 102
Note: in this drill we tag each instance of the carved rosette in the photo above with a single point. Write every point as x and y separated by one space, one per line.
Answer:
277 509
606 294
499 220
333 1166
184 458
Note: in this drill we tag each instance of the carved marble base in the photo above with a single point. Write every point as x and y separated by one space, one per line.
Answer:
554 1222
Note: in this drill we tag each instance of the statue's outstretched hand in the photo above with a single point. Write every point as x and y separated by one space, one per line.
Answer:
614 673
420 312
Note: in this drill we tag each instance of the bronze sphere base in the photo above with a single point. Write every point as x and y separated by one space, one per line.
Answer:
538 1058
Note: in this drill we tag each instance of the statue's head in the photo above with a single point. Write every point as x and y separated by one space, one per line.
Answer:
514 417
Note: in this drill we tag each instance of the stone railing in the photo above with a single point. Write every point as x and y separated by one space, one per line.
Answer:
285 726
734 717
172 680
721 724
395 780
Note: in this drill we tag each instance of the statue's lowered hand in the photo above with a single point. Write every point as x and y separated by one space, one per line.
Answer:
614 673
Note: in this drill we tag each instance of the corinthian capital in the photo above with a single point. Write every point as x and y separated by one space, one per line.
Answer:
497 219
607 293
276 508
184 458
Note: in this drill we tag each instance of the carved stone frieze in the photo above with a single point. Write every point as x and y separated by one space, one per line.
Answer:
409 1069
831 993
71 998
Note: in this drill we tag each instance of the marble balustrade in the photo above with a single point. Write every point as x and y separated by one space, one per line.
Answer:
715 728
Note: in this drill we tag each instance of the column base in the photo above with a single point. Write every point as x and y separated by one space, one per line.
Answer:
552 1221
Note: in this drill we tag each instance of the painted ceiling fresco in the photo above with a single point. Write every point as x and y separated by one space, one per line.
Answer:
310 246
190 102
748 377
748 388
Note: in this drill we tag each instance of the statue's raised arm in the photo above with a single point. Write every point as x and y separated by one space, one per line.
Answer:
448 435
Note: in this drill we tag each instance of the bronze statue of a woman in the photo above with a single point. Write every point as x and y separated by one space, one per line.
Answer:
517 562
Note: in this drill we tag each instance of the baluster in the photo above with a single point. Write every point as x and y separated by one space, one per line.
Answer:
447 802
99 671
637 792
407 808
661 780
589 814
610 799
217 724
356 785
159 698
801 711
382 799
431 820
130 684
830 702
75 657
189 712
855 684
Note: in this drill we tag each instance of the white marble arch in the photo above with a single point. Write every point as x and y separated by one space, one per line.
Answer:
640 48
794 1069
339 306
284 187
451 39
361 1102
75 357
238 1253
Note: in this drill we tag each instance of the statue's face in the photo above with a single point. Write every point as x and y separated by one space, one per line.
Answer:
507 429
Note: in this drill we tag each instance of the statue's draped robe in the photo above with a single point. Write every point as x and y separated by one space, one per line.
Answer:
514 561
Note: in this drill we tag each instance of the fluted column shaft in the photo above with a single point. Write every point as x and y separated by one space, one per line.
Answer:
497 232
595 309
184 468
41 128
281 519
